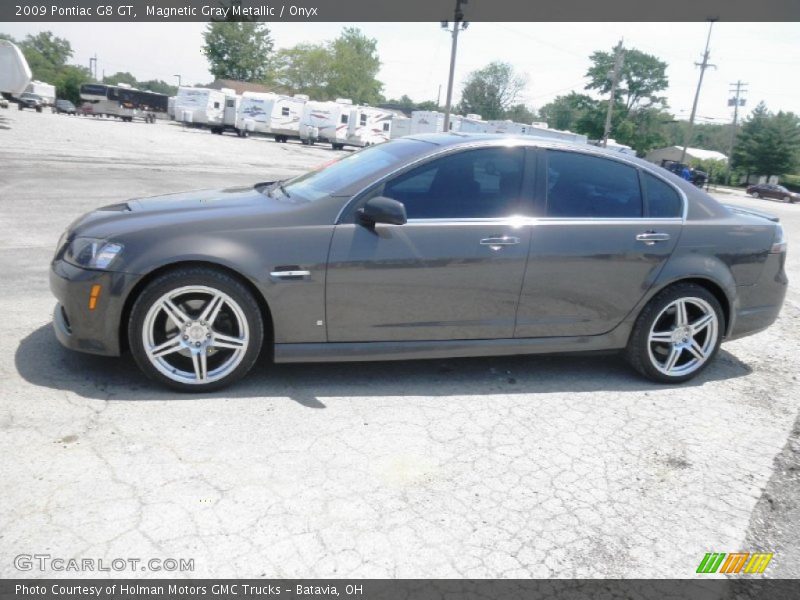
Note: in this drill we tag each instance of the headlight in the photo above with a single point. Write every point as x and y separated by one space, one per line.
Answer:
91 253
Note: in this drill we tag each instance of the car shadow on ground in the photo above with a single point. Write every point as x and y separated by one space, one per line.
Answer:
43 362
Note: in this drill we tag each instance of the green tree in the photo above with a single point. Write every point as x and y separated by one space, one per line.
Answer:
641 78
158 86
69 81
519 113
491 91
566 111
768 144
46 54
239 50
121 77
305 69
354 68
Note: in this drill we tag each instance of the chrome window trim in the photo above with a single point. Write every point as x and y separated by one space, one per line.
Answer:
534 143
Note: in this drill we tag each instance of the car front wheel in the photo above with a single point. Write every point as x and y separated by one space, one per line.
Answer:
195 330
677 334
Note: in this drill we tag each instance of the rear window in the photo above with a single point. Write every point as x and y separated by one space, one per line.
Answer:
662 199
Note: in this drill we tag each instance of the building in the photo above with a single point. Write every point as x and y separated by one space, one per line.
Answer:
673 153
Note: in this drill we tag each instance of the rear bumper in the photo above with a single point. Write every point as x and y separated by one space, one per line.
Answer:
76 326
757 306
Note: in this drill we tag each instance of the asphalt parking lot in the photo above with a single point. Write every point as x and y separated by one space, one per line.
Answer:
503 467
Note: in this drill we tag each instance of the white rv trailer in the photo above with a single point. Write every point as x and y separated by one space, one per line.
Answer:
285 117
15 74
45 90
507 126
427 121
368 126
330 120
230 112
400 126
255 111
555 134
470 123
201 107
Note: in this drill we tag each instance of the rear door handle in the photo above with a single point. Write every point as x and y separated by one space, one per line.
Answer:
651 237
496 242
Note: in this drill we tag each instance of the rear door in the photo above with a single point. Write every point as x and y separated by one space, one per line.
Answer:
607 232
452 272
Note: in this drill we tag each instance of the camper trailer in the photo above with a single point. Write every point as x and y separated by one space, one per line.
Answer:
507 126
15 74
470 123
400 126
427 121
537 130
254 112
368 126
200 107
45 90
122 102
230 114
329 120
285 117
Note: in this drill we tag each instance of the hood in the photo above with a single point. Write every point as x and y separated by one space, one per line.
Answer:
197 208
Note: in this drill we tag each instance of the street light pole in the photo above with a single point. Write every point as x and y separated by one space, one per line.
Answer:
703 66
457 24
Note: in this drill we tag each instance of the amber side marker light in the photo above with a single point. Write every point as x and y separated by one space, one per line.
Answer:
94 294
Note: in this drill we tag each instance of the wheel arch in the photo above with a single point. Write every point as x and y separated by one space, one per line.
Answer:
714 287
266 312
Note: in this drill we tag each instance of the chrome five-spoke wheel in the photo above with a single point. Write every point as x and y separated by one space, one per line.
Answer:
195 334
677 333
683 336
196 329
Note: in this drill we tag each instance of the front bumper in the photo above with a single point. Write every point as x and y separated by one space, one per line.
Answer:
76 326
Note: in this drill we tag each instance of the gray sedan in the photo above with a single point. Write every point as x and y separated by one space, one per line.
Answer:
433 246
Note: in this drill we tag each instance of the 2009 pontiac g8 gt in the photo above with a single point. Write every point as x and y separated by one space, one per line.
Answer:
431 246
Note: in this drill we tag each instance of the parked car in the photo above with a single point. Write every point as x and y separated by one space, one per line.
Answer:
430 246
768 190
30 100
3 102
64 107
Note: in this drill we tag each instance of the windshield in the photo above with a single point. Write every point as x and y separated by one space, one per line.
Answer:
338 175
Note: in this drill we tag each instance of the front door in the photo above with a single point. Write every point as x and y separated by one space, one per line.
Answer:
454 271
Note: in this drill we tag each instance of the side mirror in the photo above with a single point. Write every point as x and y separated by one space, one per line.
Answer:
383 210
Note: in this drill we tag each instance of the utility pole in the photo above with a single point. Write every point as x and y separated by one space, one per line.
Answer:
179 79
93 66
458 24
619 58
737 101
703 66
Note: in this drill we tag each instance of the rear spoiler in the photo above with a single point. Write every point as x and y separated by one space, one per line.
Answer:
752 213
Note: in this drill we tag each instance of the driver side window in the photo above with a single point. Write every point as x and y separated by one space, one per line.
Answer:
483 183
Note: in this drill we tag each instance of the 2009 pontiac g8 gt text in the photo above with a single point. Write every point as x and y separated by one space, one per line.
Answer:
422 247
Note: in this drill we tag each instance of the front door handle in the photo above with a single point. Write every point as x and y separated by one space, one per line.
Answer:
496 242
651 237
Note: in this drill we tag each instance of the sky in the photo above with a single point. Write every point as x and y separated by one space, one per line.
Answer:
554 56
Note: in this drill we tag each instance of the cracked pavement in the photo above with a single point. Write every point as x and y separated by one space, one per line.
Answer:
568 466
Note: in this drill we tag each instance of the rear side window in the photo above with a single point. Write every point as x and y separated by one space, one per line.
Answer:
582 186
662 200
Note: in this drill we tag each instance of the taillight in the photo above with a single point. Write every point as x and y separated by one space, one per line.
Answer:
779 245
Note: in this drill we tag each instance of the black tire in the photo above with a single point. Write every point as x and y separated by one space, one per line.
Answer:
757 195
19 106
638 350
196 276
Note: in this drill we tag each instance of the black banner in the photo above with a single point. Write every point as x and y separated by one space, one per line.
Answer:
402 589
396 10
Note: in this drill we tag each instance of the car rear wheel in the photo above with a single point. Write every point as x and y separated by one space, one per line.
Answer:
788 199
195 330
756 195
677 334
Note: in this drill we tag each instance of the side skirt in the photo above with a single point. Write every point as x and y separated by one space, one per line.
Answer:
414 350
